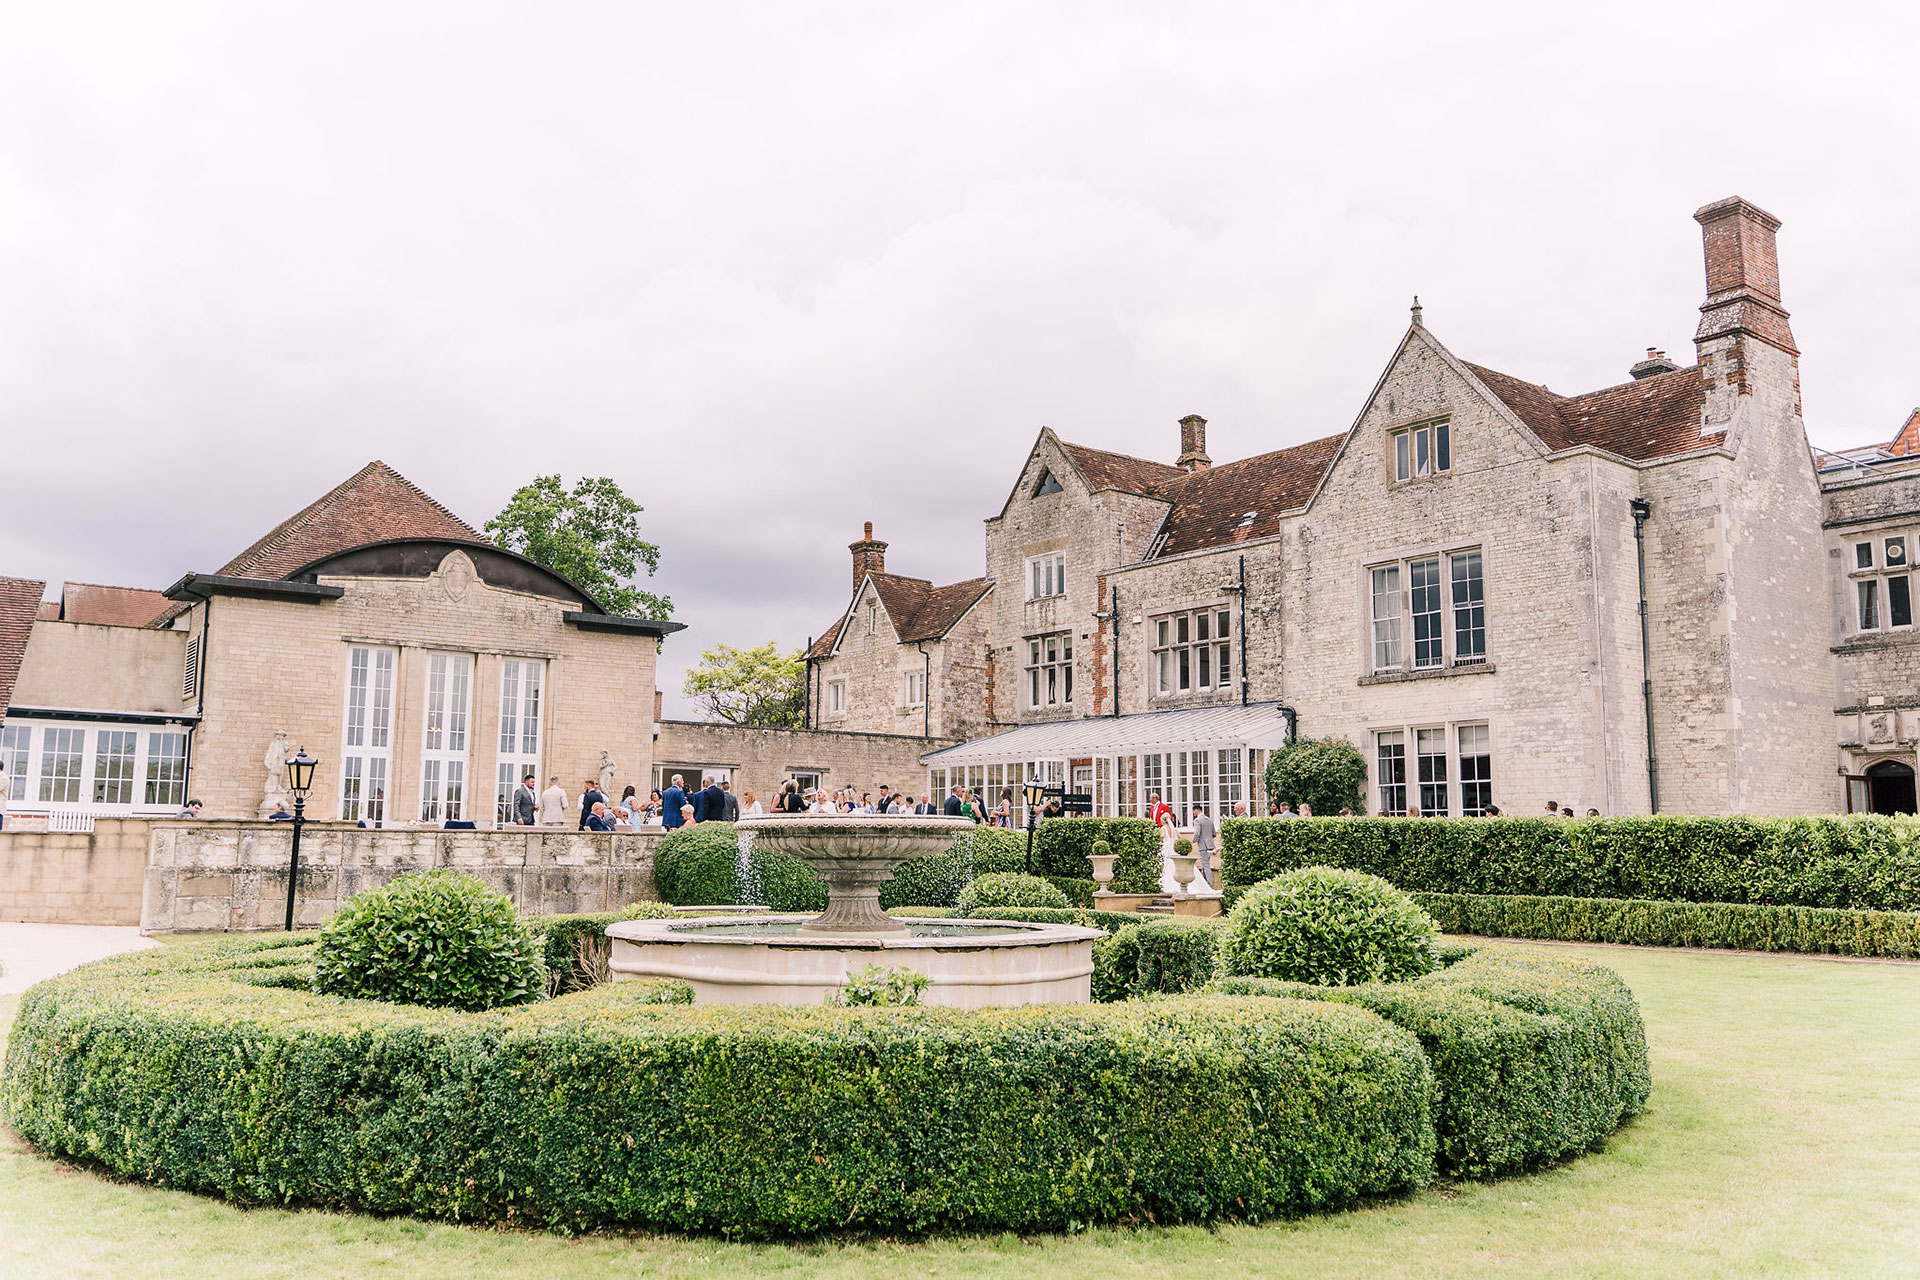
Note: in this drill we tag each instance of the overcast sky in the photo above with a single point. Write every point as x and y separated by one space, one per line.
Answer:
781 269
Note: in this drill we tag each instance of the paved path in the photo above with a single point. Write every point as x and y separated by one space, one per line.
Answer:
31 952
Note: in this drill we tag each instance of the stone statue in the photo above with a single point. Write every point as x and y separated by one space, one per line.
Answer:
606 775
279 751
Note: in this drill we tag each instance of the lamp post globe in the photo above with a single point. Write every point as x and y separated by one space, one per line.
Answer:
1036 791
299 783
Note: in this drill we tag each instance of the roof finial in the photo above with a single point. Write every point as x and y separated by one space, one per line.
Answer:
1416 311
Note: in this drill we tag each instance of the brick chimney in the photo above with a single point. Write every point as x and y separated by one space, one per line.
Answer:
1656 362
1193 444
868 556
1743 326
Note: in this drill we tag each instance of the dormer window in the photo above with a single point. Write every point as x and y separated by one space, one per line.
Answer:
1047 485
1421 451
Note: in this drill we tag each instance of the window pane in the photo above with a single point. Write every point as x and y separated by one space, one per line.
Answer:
1899 602
1391 773
1469 609
1222 624
1386 618
1431 744
1164 670
1206 666
1422 464
166 769
1202 627
1443 446
1423 577
14 758
1476 770
1225 663
113 766
1896 552
1401 468
61 751
1869 604
1863 555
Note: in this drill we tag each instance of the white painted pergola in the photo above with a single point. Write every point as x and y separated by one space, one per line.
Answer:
1194 757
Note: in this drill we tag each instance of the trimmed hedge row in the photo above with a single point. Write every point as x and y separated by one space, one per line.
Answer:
1064 847
1736 925
188 1066
1157 957
1862 863
1534 1057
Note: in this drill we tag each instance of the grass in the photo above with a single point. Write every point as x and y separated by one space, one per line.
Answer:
1783 1139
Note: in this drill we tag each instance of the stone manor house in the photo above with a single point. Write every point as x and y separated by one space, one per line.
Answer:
1650 596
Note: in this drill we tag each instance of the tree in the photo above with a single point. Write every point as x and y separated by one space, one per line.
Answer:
590 536
758 686
1326 773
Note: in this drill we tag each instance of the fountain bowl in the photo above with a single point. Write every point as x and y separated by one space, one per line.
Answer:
855 854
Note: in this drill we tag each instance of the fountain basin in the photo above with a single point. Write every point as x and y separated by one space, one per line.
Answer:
974 964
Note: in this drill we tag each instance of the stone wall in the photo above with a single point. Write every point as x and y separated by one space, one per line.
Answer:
75 665
763 759
224 877
57 877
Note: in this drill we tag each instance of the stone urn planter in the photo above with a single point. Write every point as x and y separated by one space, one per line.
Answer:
1185 867
1103 869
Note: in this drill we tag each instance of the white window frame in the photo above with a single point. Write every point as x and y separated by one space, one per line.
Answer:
1445 771
1420 451
446 723
873 619
916 693
1049 671
66 746
1436 624
1193 664
16 763
522 734
120 779
164 778
113 778
1047 575
366 744
1880 582
836 697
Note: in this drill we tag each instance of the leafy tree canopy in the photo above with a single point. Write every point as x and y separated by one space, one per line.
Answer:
590 536
759 686
1326 773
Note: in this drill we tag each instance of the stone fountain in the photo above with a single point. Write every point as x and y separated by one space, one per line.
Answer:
804 960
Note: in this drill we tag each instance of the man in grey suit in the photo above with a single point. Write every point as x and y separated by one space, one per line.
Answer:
1203 832
526 803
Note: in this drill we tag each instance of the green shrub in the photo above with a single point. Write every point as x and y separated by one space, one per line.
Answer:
698 865
608 1109
646 910
1116 965
1861 863
1175 954
935 880
1009 889
1738 925
1100 849
1329 774
782 882
998 849
1063 847
881 985
575 949
1079 892
1183 847
439 938
1535 1057
1327 926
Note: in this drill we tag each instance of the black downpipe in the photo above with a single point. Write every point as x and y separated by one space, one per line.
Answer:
1116 650
806 702
1641 511
1243 631
926 690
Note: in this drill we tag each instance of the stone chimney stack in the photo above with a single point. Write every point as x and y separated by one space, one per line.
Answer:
1742 323
868 556
1193 444
1656 362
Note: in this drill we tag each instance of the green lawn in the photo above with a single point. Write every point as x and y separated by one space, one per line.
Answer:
1783 1139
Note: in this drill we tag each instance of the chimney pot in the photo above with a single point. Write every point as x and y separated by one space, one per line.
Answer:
1656 362
1193 444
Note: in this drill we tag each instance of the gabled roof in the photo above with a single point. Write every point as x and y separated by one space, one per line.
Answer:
90 602
1655 417
918 609
1211 507
375 504
1105 470
19 603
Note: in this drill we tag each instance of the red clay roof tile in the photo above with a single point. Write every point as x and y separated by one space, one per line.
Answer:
19 604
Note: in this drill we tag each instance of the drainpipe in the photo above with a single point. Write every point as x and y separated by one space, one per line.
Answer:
1641 511
1243 631
806 700
926 690
1116 650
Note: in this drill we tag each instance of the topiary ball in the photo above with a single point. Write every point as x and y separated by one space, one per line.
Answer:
1327 926
438 938
1009 889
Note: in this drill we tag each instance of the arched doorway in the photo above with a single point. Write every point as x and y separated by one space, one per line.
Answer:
1890 788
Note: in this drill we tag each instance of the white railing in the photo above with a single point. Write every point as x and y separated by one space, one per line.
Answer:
61 818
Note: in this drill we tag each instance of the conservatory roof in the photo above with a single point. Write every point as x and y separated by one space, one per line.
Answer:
1261 725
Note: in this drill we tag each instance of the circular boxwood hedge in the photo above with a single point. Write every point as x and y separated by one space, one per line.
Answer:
1009 889
435 938
1330 926
206 1066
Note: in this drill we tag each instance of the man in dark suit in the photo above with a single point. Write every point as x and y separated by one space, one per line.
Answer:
952 809
525 803
925 807
672 801
711 804
590 795
730 809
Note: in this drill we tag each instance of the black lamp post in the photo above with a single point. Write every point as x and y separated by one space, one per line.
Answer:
299 782
1036 792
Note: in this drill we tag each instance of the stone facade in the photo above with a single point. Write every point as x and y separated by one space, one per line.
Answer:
71 877
226 877
1535 508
